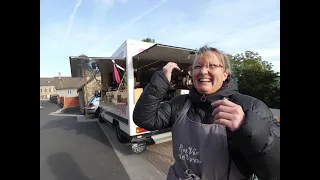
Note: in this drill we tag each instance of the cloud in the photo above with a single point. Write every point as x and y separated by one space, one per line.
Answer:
233 26
88 31
135 19
126 26
271 55
123 1
71 19
269 52
94 36
225 22
109 3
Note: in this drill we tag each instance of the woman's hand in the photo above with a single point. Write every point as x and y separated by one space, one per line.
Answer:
228 114
167 69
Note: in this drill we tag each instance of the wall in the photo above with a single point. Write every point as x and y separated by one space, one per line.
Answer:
64 93
46 95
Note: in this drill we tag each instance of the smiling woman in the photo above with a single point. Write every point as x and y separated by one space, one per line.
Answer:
221 126
210 69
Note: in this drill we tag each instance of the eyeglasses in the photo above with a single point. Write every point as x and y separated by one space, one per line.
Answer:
209 66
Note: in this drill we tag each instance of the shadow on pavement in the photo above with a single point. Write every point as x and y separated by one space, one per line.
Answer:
62 164
71 110
49 106
90 129
64 167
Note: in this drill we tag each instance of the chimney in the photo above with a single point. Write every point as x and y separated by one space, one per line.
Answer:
61 83
60 79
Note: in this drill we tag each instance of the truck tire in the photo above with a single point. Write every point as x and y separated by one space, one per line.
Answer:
100 119
138 147
121 138
97 113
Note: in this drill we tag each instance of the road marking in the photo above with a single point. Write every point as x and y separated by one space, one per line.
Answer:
59 110
56 114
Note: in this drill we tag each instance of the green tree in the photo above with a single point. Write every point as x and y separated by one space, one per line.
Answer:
148 40
256 77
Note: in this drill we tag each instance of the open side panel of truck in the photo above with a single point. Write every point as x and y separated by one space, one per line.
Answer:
105 67
161 52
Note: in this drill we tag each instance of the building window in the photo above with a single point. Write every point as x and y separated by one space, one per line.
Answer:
69 91
49 89
41 90
45 90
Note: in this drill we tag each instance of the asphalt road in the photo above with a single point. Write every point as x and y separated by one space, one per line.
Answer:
75 151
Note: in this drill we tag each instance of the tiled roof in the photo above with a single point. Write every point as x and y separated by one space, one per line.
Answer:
68 82
63 83
46 82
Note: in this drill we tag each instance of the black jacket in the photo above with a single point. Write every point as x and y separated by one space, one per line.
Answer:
254 147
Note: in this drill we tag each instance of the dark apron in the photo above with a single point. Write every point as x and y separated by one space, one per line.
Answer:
200 151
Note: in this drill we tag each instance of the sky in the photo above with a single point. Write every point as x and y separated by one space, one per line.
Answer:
99 27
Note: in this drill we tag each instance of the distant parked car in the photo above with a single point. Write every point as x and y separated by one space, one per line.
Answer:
54 98
92 106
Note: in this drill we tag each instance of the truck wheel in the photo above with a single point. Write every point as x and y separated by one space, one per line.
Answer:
97 113
138 147
100 119
121 138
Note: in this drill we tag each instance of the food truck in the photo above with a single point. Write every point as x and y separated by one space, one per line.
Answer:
123 78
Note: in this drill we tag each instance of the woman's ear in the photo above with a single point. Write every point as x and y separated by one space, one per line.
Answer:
226 76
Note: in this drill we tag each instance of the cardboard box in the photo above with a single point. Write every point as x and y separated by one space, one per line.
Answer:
137 94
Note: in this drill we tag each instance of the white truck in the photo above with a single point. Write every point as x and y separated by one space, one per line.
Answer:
136 61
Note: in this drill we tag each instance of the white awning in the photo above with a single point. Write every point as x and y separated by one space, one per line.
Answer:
160 52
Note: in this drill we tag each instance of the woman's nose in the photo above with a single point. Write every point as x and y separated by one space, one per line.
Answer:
204 70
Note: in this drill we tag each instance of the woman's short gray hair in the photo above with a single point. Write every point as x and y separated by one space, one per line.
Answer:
203 51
